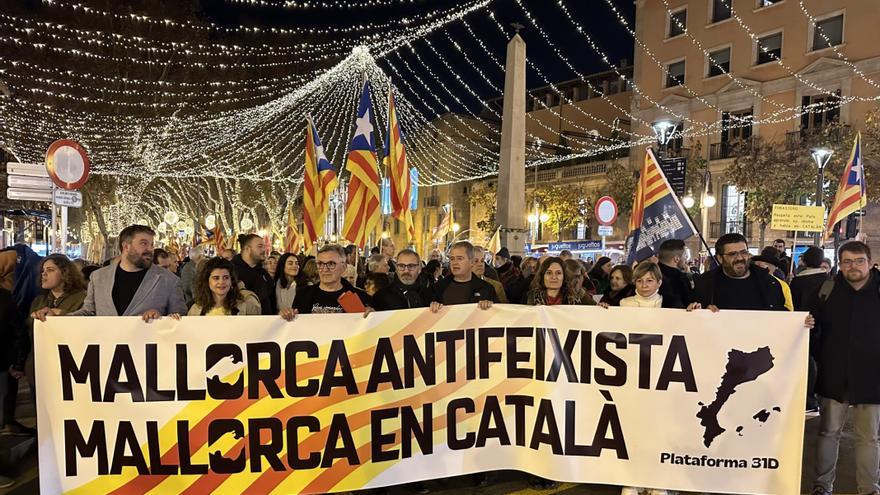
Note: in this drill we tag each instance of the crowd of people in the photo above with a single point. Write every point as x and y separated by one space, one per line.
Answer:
148 282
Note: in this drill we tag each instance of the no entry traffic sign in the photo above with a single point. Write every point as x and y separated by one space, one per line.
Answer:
606 210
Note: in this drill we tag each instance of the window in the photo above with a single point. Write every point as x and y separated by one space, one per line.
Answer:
769 48
675 74
828 32
733 205
719 62
720 10
736 126
677 23
820 110
614 86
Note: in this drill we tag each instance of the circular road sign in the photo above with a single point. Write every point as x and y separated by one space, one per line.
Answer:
606 210
67 164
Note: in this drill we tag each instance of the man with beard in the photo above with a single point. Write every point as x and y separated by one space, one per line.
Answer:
405 291
736 284
847 312
115 290
250 271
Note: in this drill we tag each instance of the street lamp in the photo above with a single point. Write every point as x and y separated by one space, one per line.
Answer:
688 200
820 156
455 228
663 130
709 198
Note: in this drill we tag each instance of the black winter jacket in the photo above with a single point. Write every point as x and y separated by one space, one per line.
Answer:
768 286
848 350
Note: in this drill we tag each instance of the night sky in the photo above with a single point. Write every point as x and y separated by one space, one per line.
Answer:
594 15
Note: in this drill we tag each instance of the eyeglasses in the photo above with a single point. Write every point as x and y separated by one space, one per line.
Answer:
330 265
407 267
856 262
743 254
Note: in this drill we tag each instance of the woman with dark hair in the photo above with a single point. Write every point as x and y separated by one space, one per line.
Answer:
63 291
285 280
621 286
599 274
553 286
216 292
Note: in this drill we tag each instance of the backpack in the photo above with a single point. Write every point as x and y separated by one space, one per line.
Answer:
828 286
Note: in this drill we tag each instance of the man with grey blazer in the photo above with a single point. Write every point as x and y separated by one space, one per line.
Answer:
133 286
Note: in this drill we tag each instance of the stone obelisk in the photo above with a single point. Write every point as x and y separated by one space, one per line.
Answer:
511 199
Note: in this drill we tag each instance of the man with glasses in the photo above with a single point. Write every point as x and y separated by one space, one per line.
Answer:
847 313
324 297
736 284
405 291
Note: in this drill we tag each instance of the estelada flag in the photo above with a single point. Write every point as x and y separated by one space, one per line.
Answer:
319 181
398 170
851 195
657 214
362 205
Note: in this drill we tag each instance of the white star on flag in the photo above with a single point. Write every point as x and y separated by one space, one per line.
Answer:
364 127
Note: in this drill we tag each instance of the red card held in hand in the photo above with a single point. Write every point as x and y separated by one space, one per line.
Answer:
351 303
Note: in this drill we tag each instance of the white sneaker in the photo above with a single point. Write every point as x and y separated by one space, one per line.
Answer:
657 491
628 490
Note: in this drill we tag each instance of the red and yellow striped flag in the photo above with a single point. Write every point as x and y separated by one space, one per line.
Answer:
401 182
362 205
292 241
318 183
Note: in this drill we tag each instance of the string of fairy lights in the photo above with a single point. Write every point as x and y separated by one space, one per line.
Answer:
201 144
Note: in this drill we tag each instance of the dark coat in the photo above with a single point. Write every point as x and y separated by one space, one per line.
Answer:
480 290
614 300
805 289
258 281
848 350
676 288
769 289
399 296
12 330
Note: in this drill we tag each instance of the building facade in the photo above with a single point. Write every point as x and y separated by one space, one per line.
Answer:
727 71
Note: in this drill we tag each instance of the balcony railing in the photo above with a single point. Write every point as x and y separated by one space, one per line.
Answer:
729 149
833 135
717 229
432 201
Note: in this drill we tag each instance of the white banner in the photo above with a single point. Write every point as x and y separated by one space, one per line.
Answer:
703 402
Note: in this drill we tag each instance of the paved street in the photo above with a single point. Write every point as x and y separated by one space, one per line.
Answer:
507 483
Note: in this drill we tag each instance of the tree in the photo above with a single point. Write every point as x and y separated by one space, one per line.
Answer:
621 186
769 173
566 205
483 197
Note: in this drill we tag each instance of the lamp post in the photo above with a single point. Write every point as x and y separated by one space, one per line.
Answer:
821 156
663 131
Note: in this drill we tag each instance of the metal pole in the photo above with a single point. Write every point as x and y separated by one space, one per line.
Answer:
63 233
820 180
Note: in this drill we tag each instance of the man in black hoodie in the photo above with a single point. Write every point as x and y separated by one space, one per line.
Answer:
250 271
735 284
848 322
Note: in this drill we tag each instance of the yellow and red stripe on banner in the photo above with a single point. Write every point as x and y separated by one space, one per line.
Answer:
201 413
